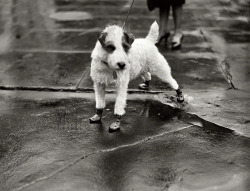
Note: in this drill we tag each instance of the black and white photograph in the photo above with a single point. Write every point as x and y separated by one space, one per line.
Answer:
124 95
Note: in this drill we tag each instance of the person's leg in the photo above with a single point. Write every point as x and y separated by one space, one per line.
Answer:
177 14
164 14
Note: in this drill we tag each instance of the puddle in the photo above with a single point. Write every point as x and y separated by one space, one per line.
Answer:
165 112
197 121
157 111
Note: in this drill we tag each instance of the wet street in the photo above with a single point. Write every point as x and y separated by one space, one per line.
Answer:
47 98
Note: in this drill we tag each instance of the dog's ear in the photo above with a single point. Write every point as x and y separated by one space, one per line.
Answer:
102 38
129 38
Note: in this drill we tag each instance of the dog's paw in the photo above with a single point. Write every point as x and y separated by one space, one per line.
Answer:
144 86
180 98
115 126
95 119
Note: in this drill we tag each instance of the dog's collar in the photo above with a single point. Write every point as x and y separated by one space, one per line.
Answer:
104 62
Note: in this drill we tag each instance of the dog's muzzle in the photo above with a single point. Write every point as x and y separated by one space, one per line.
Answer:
121 65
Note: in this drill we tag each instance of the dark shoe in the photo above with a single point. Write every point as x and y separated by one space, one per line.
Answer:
115 126
180 97
163 38
176 41
144 85
97 117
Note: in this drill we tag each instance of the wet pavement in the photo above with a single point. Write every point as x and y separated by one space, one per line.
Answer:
48 144
50 40
46 99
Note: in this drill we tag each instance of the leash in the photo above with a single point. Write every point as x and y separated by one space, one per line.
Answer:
128 14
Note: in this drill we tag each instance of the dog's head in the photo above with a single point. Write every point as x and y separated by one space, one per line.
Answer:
116 44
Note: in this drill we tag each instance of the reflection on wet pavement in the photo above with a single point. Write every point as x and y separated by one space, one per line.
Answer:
61 148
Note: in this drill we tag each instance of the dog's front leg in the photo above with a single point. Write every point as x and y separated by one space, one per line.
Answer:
120 104
100 102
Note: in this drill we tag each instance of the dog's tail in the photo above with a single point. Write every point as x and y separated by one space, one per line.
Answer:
153 33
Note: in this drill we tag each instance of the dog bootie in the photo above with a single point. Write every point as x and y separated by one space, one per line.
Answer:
115 126
97 117
144 85
180 97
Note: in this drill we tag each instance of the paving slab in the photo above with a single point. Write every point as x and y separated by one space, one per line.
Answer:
134 23
85 39
94 2
185 160
103 10
56 131
99 16
38 47
42 69
47 143
82 41
228 34
190 68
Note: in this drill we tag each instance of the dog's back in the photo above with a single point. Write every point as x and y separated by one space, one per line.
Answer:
143 52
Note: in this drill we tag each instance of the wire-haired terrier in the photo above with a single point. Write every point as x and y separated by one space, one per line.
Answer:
118 58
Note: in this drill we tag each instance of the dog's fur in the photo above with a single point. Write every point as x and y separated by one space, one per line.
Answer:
116 49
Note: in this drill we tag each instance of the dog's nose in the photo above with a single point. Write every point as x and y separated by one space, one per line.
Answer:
121 64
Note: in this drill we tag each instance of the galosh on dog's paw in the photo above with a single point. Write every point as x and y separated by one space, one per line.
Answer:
95 119
180 97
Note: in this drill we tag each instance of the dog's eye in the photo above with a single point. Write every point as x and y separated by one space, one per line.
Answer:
126 47
110 48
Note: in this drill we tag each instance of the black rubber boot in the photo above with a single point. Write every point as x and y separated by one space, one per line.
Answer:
144 85
180 97
97 117
115 126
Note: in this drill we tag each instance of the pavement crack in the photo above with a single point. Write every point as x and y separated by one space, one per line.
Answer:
220 56
71 89
143 140
97 152
225 65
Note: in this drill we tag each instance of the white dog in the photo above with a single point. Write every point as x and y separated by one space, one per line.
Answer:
118 58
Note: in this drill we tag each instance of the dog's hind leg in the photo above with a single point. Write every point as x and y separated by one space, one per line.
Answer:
146 79
100 102
163 71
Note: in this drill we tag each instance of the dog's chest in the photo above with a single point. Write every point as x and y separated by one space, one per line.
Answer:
107 77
